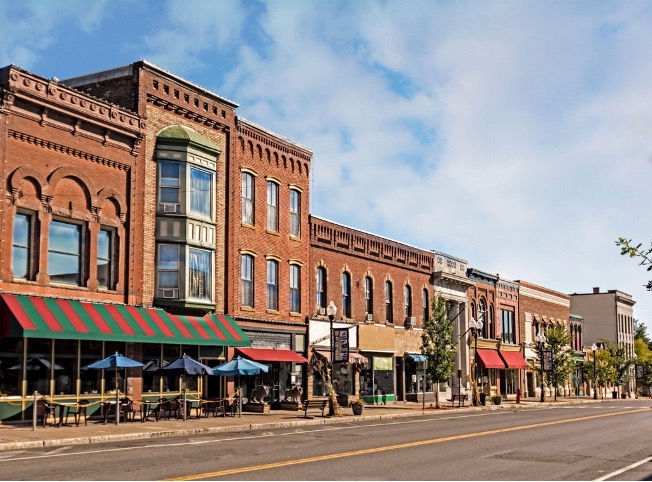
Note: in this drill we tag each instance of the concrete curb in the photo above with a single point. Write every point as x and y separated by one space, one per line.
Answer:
301 422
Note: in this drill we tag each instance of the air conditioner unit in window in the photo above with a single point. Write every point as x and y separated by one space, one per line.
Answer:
322 311
370 317
172 293
411 321
169 207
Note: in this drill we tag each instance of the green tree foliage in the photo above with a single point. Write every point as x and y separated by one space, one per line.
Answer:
558 341
600 370
620 362
627 248
438 344
643 357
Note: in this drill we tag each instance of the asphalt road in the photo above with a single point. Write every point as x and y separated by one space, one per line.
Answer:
577 442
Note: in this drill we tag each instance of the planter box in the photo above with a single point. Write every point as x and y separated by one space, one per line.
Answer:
294 406
255 407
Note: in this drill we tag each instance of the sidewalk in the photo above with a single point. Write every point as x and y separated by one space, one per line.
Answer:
21 436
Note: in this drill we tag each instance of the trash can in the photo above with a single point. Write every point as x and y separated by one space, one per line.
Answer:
483 399
614 394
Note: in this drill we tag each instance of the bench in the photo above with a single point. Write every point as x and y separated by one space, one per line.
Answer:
461 398
316 404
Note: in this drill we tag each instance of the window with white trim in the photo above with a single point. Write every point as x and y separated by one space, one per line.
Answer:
321 287
346 295
369 295
168 271
272 284
169 191
105 258
295 213
21 253
295 288
200 279
247 279
272 206
65 253
407 295
389 304
247 198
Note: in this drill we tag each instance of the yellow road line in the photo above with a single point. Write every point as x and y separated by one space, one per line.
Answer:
319 458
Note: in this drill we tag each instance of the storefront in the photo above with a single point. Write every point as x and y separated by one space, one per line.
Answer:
377 378
45 343
286 369
488 371
509 378
345 375
417 384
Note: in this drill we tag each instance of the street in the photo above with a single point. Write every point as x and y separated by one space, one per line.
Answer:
577 442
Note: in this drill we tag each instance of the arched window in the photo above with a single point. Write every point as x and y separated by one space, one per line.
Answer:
272 284
369 295
426 305
247 198
346 295
407 295
482 310
389 305
247 277
321 287
295 288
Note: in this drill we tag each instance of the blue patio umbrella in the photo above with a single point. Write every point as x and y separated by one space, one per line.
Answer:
240 366
183 366
114 361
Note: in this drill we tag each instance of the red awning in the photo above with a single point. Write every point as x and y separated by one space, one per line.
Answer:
513 359
270 355
489 359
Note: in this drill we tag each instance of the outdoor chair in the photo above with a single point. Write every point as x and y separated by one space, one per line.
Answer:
82 407
44 410
169 406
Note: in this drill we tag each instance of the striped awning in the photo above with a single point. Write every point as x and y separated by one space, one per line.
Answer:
35 317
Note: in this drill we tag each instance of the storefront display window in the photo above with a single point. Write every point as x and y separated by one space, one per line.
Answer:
170 353
192 384
414 377
91 351
377 378
152 362
65 368
342 381
110 383
39 366
11 374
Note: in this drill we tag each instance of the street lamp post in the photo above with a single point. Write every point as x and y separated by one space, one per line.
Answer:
331 311
594 348
541 341
475 326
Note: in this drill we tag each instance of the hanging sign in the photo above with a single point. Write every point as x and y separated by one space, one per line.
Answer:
640 372
547 360
340 345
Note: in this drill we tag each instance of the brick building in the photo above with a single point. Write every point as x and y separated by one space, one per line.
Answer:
539 308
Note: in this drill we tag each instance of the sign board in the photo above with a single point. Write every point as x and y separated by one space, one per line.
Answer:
640 372
547 360
340 345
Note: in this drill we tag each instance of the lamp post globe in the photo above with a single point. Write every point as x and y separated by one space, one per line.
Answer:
594 348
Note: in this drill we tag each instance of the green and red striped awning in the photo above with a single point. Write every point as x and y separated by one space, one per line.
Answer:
35 317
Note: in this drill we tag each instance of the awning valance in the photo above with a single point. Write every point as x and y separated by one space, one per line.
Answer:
354 358
35 317
271 355
513 359
417 357
489 359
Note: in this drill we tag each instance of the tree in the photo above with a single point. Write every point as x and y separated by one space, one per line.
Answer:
644 357
558 341
627 248
620 362
601 366
640 333
438 345
322 369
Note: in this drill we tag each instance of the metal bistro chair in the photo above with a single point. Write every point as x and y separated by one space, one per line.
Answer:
44 410
82 407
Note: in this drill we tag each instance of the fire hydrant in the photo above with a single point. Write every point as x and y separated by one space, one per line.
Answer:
518 395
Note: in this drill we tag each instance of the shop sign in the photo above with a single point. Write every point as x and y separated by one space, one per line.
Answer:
340 345
640 372
547 360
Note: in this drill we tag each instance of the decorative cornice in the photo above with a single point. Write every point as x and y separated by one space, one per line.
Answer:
37 141
184 112
454 279
273 140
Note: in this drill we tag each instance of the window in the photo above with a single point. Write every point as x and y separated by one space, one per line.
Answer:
389 308
482 309
321 287
247 198
199 274
407 292
65 253
169 185
272 284
247 280
507 326
168 271
295 213
346 295
21 247
200 193
426 305
105 259
295 288
369 295
272 206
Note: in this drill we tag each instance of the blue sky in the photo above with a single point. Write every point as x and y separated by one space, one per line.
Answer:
516 135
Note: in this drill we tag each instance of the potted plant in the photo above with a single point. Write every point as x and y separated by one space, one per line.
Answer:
357 406
497 399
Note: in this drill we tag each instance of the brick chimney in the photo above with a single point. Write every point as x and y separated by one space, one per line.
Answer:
596 290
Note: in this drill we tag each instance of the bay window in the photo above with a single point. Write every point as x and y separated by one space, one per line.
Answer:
168 270
199 274
200 193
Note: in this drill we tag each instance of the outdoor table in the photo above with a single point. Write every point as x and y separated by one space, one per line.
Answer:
110 405
147 407
64 411
191 405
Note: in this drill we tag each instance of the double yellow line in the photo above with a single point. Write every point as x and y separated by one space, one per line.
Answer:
319 458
